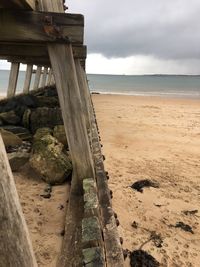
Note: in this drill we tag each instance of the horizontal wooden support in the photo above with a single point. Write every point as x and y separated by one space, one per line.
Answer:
21 4
27 50
29 60
40 27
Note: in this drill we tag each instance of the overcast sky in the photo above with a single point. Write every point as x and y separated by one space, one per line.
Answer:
141 36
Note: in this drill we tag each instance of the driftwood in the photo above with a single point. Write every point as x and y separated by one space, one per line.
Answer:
15 245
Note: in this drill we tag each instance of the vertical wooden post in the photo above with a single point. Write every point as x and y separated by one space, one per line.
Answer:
83 92
44 77
28 76
46 82
14 72
15 245
63 65
37 78
49 77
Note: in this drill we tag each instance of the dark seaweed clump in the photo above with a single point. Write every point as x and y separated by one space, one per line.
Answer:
139 185
140 258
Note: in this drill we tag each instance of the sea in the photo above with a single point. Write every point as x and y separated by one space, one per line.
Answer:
184 86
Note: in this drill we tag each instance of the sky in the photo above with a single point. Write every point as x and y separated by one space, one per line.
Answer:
141 36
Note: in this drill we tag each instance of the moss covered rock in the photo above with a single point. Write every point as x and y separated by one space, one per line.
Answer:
48 158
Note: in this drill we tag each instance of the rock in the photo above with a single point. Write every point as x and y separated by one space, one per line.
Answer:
18 104
26 118
10 117
42 132
50 102
10 139
18 159
21 132
45 117
59 134
49 160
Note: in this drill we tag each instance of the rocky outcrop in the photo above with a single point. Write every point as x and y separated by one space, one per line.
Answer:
45 117
9 117
48 158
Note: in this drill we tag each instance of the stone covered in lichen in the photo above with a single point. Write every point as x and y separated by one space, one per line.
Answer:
48 158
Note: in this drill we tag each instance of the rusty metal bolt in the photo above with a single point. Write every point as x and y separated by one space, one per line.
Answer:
121 240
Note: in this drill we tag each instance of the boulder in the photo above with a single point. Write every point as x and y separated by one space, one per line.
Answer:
18 159
10 117
21 132
48 159
59 134
42 132
45 117
10 139
45 101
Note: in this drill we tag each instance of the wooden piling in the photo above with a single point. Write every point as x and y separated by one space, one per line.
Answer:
44 77
15 245
14 72
27 81
37 78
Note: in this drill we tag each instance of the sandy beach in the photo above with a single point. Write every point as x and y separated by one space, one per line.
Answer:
158 139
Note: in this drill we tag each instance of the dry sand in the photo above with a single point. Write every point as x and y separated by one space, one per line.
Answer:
154 138
45 217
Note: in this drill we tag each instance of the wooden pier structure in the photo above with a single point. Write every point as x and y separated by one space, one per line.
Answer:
39 32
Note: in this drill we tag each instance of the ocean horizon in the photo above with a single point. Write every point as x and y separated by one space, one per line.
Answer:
184 86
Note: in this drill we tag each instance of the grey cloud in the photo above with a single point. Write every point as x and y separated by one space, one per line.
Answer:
161 28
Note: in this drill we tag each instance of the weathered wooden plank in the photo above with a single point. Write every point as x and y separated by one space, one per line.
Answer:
21 4
37 78
15 245
44 77
25 26
12 85
35 50
27 81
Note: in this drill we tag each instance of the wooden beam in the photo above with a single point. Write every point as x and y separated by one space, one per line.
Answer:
35 50
28 60
40 27
44 77
15 245
37 78
21 4
12 85
28 76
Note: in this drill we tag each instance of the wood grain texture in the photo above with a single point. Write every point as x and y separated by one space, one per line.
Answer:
83 93
27 81
26 26
21 4
37 78
15 246
12 85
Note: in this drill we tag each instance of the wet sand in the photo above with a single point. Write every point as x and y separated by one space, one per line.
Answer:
158 139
